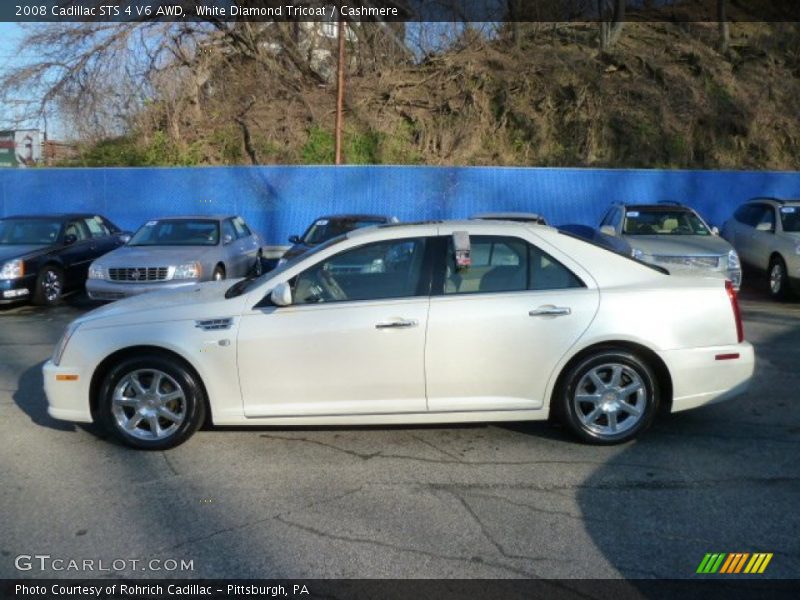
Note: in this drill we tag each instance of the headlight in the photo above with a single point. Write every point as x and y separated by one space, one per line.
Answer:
282 262
13 269
734 264
188 271
62 343
96 272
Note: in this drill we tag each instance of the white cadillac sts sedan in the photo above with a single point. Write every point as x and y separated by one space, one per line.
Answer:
412 323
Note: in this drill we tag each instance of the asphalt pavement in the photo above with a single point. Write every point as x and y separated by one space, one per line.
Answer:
504 500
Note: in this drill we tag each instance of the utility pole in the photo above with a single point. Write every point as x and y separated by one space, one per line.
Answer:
340 93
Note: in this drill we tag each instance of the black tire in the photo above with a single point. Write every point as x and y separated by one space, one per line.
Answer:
218 274
778 279
258 266
49 286
612 408
176 378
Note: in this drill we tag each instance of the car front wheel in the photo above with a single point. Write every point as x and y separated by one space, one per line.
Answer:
778 279
49 287
609 397
152 402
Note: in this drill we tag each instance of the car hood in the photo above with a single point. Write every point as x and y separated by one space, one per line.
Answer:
19 251
154 256
198 301
685 245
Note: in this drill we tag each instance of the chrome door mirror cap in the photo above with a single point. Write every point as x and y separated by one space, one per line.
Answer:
281 294
227 239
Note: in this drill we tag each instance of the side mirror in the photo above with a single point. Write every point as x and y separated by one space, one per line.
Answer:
281 294
768 227
226 239
295 239
608 230
70 239
125 237
715 230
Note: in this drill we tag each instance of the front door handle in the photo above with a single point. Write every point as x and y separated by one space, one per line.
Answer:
548 310
397 324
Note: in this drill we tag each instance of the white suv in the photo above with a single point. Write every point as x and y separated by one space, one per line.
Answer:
766 234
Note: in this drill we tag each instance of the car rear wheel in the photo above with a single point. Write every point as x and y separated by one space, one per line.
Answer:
49 286
152 402
778 279
609 397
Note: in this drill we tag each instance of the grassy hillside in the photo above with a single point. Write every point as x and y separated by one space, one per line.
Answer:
663 97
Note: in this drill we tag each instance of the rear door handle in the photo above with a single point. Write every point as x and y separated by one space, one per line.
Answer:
548 310
397 324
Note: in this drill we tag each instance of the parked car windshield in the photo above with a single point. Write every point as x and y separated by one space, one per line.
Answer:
325 229
245 285
790 218
177 232
663 222
29 231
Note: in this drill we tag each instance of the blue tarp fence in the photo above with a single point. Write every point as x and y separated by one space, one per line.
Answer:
281 200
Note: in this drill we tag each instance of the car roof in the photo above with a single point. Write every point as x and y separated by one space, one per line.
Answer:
54 216
511 216
658 207
355 217
775 200
194 217
472 225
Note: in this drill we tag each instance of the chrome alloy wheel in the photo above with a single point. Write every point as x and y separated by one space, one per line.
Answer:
776 277
148 404
51 286
610 399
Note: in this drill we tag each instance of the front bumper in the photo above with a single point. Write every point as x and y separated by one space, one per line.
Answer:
16 290
703 376
67 391
101 289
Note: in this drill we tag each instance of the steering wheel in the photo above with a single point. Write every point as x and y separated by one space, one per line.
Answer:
329 285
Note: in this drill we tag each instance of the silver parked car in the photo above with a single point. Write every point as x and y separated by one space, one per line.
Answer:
176 252
675 237
766 233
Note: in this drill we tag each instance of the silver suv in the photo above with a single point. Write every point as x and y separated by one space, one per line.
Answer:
673 236
766 233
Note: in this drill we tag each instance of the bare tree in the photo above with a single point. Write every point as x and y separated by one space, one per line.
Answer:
724 28
611 23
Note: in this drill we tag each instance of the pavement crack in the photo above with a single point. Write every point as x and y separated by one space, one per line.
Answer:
469 463
407 549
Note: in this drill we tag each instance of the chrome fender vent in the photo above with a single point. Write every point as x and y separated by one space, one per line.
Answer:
214 324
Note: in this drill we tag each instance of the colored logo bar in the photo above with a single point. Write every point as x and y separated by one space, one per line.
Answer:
730 563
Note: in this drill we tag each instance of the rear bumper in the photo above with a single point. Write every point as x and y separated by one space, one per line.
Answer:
703 376
100 289
67 399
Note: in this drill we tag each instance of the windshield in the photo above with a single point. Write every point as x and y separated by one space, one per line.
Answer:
245 285
790 218
29 231
663 222
326 229
177 232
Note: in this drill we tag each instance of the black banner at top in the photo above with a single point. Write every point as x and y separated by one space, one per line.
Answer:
55 11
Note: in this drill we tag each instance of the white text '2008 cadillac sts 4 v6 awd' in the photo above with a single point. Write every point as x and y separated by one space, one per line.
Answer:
418 323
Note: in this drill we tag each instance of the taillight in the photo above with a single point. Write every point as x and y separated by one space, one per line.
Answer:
737 314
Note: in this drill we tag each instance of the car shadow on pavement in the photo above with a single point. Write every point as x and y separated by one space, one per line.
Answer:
718 479
31 400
